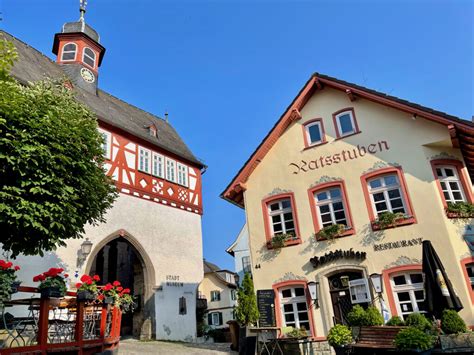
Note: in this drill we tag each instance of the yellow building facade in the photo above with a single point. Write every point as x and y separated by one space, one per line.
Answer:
348 156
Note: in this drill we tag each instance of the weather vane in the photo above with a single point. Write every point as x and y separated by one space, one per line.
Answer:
82 8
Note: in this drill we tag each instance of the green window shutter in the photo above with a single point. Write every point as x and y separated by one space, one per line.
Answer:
220 318
209 319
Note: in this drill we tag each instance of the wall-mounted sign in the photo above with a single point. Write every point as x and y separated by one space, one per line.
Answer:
398 244
344 155
173 280
337 254
266 308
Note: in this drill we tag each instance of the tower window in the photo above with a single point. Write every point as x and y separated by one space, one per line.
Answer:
89 57
69 52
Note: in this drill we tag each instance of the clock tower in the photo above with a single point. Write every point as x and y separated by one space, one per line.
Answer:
79 52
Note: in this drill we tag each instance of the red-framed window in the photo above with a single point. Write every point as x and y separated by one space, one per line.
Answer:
280 217
345 122
329 205
313 133
467 266
293 305
451 180
385 190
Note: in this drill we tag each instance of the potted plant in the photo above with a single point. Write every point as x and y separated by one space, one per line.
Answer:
278 240
8 283
246 313
339 337
388 219
356 319
460 210
414 340
395 321
456 334
52 283
330 232
113 293
419 321
87 289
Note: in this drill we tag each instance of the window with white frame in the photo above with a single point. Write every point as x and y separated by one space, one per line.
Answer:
408 292
89 57
144 159
331 207
182 174
314 132
233 295
470 274
281 217
450 184
359 291
345 122
106 143
294 307
215 296
157 166
246 264
215 318
386 194
69 52
170 170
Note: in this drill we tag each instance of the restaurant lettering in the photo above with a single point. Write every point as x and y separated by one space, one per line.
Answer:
398 244
345 155
337 254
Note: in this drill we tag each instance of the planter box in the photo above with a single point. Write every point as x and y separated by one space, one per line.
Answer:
108 300
84 296
459 215
51 292
457 341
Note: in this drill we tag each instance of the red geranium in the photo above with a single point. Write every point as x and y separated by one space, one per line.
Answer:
54 277
116 283
89 284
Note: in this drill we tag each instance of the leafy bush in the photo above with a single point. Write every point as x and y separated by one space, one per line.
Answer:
389 219
395 321
372 317
419 321
298 333
452 323
330 232
246 312
339 335
356 316
413 339
463 208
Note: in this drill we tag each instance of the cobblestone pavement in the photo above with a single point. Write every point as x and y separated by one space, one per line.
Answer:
136 347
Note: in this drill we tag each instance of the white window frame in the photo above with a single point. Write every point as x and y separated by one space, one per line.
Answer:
215 296
213 320
308 136
107 146
410 288
157 165
338 123
233 295
246 264
63 51
182 172
84 55
330 203
146 160
359 291
447 180
170 169
294 300
281 212
384 189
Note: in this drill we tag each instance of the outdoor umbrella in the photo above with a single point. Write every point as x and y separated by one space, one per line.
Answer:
438 289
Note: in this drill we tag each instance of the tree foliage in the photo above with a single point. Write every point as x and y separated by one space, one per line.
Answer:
246 312
51 178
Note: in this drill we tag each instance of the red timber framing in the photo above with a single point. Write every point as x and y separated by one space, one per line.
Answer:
123 164
461 131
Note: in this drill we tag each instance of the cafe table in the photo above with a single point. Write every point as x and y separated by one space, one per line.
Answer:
268 338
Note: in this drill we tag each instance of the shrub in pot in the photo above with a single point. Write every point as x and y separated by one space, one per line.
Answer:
52 283
419 321
356 317
8 283
87 289
395 321
452 323
413 339
339 337
455 331
373 317
246 313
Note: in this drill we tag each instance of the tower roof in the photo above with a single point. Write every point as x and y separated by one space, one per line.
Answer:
83 27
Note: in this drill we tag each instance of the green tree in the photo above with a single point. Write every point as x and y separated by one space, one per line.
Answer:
51 178
246 312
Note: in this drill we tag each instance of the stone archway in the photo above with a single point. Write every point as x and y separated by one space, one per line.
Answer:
121 257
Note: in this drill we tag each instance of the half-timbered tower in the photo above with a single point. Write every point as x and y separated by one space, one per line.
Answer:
151 240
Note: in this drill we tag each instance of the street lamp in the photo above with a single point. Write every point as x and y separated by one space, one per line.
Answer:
86 248
313 288
376 280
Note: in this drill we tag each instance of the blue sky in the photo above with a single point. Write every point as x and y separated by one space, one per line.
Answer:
226 70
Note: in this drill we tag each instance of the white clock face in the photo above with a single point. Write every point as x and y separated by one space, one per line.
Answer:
87 75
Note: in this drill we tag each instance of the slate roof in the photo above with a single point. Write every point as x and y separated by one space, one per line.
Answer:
81 26
32 66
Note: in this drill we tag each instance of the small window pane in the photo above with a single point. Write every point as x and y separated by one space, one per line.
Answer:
394 193
286 293
276 219
381 207
403 296
289 317
338 206
416 278
449 172
288 308
396 203
324 209
286 204
322 196
375 183
379 197
345 123
326 218
69 55
454 185
303 316
420 295
438 172
274 207
299 291
301 306
399 280
289 225
335 193
390 180
314 133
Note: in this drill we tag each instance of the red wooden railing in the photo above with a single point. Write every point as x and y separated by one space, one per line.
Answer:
58 325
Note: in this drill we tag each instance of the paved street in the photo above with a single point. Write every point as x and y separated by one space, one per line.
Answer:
131 346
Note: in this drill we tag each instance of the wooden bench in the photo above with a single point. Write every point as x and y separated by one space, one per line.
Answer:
377 338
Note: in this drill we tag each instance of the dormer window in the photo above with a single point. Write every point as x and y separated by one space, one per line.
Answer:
69 52
345 122
89 57
314 132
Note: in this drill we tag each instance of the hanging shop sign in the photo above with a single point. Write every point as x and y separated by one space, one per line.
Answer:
266 307
343 156
318 261
398 244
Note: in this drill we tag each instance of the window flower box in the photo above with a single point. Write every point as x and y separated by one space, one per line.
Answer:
460 210
282 240
388 220
331 232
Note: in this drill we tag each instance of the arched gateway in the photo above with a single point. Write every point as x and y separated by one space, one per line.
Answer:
121 257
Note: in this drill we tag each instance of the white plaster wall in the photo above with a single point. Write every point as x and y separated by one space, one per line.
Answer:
240 250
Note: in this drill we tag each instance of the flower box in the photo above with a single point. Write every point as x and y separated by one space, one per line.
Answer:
51 292
459 215
84 296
